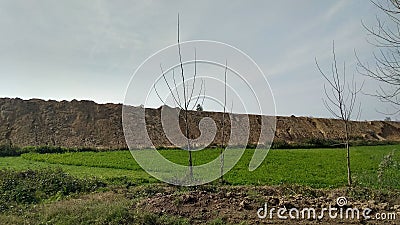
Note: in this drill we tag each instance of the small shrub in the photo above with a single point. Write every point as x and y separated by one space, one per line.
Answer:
280 144
322 143
386 176
153 219
34 186
388 171
7 150
48 149
217 221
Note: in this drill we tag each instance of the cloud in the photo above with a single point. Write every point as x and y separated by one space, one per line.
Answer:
335 9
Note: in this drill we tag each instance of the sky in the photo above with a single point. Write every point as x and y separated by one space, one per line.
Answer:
89 50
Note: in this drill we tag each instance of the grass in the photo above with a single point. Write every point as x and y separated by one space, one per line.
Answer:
319 168
111 174
36 186
96 208
298 171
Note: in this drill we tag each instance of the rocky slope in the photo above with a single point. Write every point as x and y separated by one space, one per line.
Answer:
87 124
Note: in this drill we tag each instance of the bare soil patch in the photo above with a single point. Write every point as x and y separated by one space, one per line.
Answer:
239 205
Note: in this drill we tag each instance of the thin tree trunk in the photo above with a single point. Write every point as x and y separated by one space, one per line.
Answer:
222 148
223 129
349 181
188 146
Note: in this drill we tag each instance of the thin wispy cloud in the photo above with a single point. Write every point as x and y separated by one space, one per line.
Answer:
335 9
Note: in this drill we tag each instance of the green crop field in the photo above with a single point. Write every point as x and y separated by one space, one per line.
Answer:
321 168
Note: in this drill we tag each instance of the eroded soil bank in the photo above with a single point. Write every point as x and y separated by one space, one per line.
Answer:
86 124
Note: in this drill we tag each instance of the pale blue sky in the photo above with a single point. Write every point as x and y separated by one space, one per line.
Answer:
66 50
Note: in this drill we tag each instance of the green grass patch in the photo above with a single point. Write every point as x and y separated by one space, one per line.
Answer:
96 208
35 186
319 168
112 175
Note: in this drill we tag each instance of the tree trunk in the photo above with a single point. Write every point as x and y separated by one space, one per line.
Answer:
222 149
349 181
188 146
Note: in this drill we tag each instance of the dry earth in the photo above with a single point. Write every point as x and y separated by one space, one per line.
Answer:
235 205
87 124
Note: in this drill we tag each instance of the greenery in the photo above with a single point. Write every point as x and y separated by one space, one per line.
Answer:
44 188
34 186
125 205
6 150
97 208
387 174
327 143
111 175
320 168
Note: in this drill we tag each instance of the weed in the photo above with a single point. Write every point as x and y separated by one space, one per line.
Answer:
35 186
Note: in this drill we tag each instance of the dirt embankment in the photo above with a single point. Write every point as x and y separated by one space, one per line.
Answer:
87 124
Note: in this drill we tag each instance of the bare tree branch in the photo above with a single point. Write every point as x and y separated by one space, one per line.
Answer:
341 100
186 98
169 87
194 76
158 95
176 87
182 71
387 63
199 95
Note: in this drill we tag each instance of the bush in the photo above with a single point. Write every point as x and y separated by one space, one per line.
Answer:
322 143
7 150
47 149
326 143
15 151
154 219
34 186
387 175
280 144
